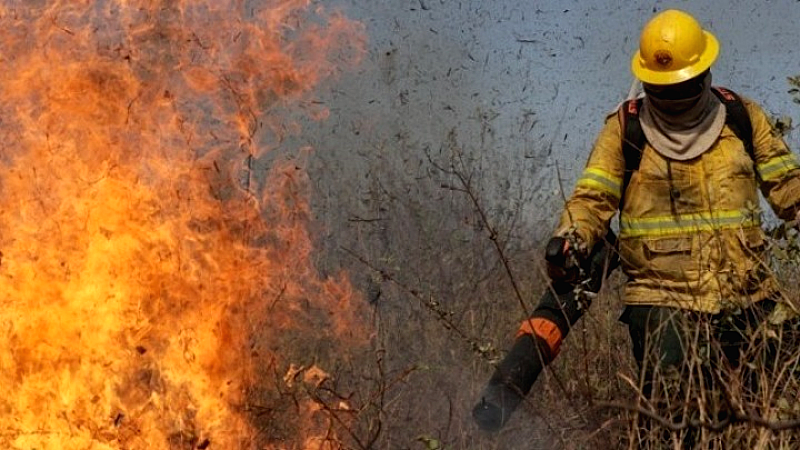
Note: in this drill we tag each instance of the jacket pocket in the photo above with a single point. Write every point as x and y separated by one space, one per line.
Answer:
668 258
754 269
667 246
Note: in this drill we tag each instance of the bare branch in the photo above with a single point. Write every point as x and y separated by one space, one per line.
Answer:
717 426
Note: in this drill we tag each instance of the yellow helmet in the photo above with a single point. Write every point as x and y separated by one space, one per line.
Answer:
673 48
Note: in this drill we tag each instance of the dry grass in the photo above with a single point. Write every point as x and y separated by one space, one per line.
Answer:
449 281
432 356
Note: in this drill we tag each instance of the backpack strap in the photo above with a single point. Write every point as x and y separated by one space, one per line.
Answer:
633 140
736 118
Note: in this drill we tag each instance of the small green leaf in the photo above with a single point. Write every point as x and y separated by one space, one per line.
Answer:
430 443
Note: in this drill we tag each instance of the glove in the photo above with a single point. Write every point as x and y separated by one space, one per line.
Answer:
561 262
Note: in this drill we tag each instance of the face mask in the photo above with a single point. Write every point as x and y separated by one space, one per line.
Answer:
684 120
675 99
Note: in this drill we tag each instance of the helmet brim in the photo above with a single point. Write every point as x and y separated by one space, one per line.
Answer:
664 77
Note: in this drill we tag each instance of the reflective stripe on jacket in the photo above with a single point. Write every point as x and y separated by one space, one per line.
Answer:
690 231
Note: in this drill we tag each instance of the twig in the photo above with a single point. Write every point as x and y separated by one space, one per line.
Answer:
278 297
367 220
444 317
716 426
466 188
493 236
333 413
586 366
430 304
561 191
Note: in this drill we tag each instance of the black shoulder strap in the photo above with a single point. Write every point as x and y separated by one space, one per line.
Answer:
633 140
736 118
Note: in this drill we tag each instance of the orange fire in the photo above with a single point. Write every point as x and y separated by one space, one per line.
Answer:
145 259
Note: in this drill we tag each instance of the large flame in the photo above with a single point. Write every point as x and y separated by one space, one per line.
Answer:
142 256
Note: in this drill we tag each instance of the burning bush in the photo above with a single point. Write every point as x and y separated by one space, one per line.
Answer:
147 264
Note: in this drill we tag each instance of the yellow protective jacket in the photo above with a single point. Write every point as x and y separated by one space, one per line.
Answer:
690 231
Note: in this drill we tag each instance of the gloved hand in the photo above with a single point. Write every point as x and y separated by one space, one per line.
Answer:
561 260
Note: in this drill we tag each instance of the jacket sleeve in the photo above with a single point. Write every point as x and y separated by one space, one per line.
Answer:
597 192
777 166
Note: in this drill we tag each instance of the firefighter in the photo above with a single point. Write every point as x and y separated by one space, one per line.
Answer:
684 164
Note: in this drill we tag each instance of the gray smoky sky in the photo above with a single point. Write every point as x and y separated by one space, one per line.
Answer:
527 84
